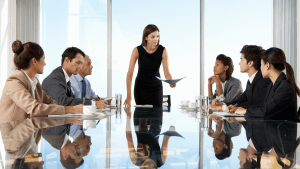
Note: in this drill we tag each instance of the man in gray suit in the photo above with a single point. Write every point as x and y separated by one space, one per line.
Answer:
58 85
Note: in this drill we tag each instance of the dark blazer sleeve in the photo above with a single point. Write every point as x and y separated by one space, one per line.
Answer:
272 106
240 100
56 87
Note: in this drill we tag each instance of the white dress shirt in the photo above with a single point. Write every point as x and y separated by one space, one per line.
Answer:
66 76
251 78
32 83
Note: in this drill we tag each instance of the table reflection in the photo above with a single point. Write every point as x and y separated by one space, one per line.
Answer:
20 139
270 144
147 125
149 138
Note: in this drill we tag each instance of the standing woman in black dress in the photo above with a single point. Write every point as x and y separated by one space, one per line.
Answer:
150 54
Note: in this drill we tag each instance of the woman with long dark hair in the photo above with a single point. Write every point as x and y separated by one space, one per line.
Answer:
150 54
281 97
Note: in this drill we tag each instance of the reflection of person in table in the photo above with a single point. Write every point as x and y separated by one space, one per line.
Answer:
148 152
150 54
222 143
273 141
20 140
71 142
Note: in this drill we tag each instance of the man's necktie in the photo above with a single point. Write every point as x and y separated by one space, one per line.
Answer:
69 89
248 89
83 88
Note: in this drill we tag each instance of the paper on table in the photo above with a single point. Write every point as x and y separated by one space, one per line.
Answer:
225 114
99 110
143 105
65 115
170 81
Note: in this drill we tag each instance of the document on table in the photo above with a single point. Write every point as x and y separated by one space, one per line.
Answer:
146 106
65 115
225 114
170 81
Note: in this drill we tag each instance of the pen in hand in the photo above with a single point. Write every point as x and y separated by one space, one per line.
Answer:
232 110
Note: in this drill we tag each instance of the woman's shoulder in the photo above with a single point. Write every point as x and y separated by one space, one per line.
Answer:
233 80
17 75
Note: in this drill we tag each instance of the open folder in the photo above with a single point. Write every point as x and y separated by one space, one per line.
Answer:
225 114
170 81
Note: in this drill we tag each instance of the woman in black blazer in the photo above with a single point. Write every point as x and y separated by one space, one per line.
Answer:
281 96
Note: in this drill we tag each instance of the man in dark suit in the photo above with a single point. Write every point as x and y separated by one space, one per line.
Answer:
58 85
257 85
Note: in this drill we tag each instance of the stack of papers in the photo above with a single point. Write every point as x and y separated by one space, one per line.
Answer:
65 115
170 81
150 106
225 114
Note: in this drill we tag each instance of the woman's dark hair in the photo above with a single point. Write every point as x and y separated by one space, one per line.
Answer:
148 30
227 61
225 152
71 53
276 57
253 53
25 52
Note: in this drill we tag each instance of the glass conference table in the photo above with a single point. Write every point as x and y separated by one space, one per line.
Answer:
166 137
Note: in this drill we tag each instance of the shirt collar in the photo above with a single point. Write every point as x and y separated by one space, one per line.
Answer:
251 78
78 77
66 76
32 82
65 140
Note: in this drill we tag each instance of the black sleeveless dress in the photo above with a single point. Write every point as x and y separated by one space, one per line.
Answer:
148 89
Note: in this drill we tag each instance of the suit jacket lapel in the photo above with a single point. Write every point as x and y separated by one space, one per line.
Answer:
225 87
256 78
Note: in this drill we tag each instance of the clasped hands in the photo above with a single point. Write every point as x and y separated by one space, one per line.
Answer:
214 79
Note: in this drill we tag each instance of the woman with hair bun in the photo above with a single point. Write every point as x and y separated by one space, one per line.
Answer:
22 95
281 97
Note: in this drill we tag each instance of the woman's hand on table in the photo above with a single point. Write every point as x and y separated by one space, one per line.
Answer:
127 102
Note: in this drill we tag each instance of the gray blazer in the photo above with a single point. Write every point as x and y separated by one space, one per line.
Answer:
55 85
232 90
